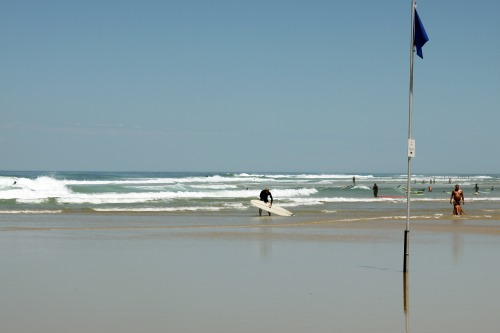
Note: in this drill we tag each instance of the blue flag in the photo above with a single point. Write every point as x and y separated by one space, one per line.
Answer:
419 35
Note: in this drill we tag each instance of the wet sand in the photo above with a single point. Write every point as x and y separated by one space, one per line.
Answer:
131 273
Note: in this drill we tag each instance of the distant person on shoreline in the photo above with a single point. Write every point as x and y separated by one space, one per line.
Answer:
476 188
353 180
457 198
264 194
375 190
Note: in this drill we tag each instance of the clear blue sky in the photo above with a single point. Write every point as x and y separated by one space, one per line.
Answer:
248 86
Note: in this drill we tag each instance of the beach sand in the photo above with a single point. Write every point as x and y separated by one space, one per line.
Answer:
189 273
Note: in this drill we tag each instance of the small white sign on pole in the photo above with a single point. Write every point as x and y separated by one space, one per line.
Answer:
411 148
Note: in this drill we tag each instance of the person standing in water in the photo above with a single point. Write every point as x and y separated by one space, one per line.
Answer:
375 190
457 198
264 195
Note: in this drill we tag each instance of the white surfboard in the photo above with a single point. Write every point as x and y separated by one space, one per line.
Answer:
275 209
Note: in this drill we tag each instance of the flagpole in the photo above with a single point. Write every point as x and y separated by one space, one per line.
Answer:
411 143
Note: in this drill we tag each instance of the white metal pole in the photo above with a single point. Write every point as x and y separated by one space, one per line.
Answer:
410 142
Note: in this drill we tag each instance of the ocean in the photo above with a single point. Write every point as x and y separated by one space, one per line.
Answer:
329 196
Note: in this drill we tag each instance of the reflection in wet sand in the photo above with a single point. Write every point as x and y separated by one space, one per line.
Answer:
406 301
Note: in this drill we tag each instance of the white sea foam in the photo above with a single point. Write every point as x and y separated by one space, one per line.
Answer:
104 198
159 209
37 190
135 181
360 187
7 182
237 206
27 211
43 188
186 180
157 188
307 176
483 199
214 187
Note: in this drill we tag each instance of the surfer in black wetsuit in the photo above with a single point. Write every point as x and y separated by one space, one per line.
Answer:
375 190
264 194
